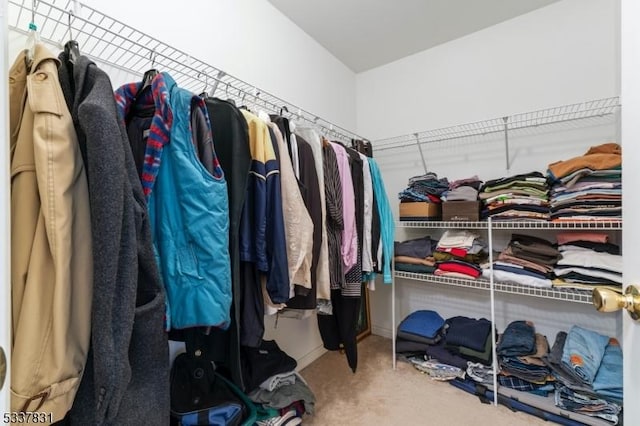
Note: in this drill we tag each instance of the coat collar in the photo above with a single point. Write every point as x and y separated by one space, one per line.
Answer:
127 97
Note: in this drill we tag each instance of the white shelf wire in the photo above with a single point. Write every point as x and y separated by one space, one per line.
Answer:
567 295
566 115
601 225
109 41
436 224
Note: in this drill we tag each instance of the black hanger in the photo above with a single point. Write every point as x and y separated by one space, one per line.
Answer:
71 48
149 75
283 108
148 78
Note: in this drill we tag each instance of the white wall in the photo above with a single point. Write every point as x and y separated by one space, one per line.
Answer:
253 41
564 53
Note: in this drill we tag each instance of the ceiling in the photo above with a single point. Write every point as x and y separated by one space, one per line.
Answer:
364 34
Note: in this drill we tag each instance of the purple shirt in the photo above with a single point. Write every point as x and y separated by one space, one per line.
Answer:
349 233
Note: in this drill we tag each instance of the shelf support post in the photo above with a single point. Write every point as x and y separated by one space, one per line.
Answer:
393 311
424 163
506 140
493 310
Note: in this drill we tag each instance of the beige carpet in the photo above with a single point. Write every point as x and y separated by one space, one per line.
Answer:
378 395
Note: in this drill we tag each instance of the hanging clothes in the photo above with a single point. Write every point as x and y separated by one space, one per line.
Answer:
335 216
263 249
295 156
349 233
51 245
323 285
231 143
367 259
387 225
338 330
297 222
284 125
265 244
353 279
128 344
188 206
310 190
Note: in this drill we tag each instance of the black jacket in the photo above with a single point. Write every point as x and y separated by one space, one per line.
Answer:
126 379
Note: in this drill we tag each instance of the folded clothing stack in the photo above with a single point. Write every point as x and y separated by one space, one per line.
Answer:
588 187
415 255
459 253
466 342
588 260
527 260
426 188
520 353
417 331
467 338
463 190
519 197
588 368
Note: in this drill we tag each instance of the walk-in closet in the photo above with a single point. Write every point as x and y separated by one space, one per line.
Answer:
279 213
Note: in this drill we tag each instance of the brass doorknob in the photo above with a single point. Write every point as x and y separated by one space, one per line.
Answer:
3 368
606 300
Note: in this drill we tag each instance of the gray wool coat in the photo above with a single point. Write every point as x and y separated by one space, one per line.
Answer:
126 379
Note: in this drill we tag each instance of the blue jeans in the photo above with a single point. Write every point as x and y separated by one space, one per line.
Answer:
569 400
419 247
518 339
583 352
529 372
608 381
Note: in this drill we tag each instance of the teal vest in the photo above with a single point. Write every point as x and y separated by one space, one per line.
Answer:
189 213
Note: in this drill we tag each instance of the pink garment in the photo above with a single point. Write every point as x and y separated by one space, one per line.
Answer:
349 233
450 274
594 237
455 184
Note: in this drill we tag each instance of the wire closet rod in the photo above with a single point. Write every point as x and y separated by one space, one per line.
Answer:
111 42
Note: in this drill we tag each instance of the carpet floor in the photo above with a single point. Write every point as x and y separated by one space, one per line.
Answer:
378 395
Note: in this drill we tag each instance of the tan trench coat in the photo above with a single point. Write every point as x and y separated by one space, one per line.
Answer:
51 258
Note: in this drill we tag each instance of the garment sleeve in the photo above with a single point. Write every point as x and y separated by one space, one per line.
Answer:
386 221
276 244
349 234
254 219
333 193
201 136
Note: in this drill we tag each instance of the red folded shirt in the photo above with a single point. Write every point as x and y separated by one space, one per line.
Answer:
458 267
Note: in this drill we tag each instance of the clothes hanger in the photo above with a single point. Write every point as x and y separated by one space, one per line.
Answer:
243 105
33 37
204 94
150 74
71 48
260 108
293 121
226 93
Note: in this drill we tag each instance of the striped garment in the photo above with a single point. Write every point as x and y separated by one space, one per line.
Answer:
335 220
353 279
160 130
